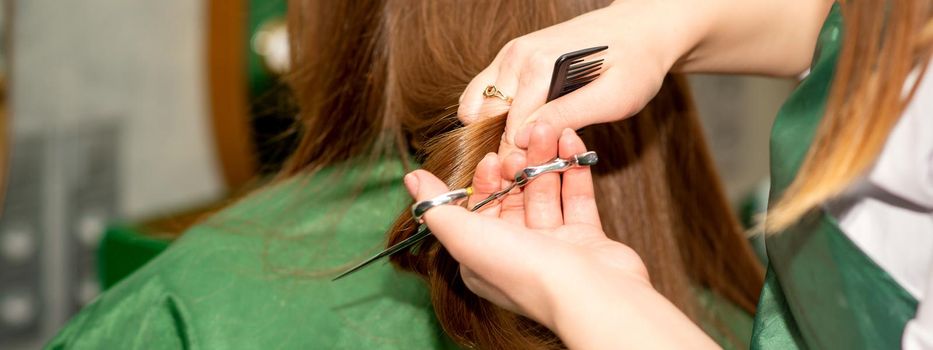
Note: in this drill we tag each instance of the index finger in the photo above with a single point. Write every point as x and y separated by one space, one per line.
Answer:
531 93
472 106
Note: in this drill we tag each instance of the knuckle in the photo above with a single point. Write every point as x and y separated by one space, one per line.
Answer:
540 61
518 46
537 66
515 53
526 80
507 48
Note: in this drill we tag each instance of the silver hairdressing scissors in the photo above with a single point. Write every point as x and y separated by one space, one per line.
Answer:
522 178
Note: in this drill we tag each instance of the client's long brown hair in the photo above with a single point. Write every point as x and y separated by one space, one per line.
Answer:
378 78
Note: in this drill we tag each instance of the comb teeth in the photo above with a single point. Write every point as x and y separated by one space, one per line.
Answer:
581 77
572 71
574 86
576 67
581 74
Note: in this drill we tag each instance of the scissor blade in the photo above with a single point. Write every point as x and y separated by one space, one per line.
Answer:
493 197
422 233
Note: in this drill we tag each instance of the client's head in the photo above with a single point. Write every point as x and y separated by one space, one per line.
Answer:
382 78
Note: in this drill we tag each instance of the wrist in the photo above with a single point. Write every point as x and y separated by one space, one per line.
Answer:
675 27
754 37
623 312
581 289
584 304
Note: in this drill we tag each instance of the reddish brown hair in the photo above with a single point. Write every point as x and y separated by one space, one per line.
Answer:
377 78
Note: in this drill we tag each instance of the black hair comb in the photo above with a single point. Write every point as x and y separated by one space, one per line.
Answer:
571 72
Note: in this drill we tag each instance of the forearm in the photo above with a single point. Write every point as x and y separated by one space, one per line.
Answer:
724 36
759 36
629 316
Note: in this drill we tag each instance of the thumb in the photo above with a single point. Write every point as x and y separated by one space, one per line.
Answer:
422 185
462 232
443 220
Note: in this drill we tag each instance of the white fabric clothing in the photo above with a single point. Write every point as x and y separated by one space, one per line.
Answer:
889 213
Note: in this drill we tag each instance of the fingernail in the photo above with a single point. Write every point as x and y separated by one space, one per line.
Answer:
412 183
522 137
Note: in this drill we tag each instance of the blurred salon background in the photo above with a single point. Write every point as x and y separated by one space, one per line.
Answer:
123 121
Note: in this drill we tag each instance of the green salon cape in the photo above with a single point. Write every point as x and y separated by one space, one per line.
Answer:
257 276
821 291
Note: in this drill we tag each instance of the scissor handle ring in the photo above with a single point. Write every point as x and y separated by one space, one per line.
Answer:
419 209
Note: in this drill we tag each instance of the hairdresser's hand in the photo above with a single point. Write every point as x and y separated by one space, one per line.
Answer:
646 39
521 255
632 72
547 257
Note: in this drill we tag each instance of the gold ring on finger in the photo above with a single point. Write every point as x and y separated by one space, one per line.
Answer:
493 91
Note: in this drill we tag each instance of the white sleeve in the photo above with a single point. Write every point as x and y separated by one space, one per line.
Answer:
918 335
919 332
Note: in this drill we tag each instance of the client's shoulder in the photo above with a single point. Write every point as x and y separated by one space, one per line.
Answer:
258 274
299 227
